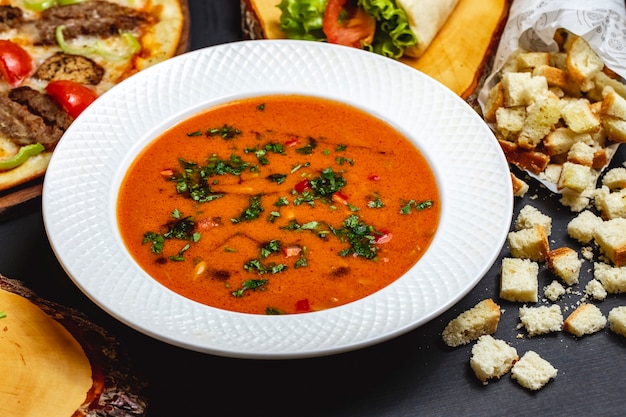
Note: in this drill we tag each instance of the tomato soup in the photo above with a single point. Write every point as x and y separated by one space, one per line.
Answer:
278 205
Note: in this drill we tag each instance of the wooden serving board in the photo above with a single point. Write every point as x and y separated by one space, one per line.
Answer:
458 55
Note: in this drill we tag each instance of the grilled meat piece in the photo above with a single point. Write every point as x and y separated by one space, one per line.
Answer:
29 116
91 18
10 17
78 68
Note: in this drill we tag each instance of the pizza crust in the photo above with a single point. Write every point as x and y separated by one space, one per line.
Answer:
168 37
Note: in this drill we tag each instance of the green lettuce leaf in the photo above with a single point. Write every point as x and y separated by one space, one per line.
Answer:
302 19
393 33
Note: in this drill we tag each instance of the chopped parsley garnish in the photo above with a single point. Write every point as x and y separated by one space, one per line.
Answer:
2 314
327 183
181 228
250 284
253 211
359 235
273 311
309 148
261 153
408 207
277 178
225 132
269 248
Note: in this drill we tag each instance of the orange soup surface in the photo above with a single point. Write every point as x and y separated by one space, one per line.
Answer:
278 205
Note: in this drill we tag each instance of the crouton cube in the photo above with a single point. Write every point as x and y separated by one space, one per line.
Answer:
617 320
510 121
595 290
531 243
611 205
586 319
579 116
492 358
520 187
529 60
576 177
582 61
581 153
615 178
613 104
561 139
541 320
530 216
582 226
615 129
495 100
565 264
468 326
612 278
541 116
518 280
611 238
532 371
522 89
554 290
555 77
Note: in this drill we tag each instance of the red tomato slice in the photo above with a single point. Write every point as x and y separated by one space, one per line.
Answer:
302 185
340 198
72 96
384 237
302 306
356 29
15 62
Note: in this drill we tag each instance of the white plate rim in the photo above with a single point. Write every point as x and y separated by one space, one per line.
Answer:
79 195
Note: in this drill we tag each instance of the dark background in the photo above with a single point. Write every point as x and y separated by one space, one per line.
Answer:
412 375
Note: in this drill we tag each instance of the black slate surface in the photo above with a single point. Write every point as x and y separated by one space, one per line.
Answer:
411 375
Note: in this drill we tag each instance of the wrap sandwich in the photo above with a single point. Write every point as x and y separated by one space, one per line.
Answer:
392 28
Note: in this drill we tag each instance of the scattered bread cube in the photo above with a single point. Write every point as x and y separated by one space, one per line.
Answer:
576 177
531 243
518 280
582 226
541 320
595 290
612 278
468 326
529 216
532 371
611 205
492 358
579 116
586 319
554 290
541 116
520 187
582 62
565 264
615 178
582 154
610 236
617 320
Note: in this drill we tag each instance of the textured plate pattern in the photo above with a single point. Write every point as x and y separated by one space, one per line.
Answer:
87 166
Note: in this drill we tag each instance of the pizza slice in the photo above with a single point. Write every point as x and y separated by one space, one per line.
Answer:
58 56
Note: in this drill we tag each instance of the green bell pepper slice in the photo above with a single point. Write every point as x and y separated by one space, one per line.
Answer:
21 156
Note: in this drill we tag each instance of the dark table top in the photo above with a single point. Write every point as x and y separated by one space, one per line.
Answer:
412 375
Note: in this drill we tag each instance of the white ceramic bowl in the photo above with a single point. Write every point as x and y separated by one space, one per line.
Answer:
80 193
